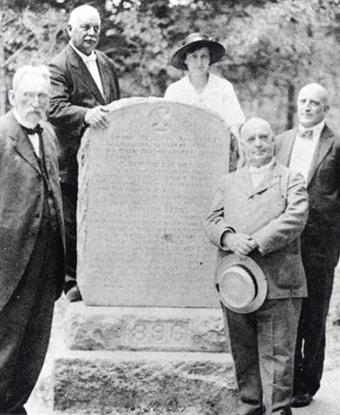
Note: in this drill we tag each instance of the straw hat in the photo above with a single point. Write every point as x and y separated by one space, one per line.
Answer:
241 284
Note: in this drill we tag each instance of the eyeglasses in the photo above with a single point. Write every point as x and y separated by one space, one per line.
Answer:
32 96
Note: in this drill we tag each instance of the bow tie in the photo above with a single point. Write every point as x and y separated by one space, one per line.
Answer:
36 130
90 58
307 134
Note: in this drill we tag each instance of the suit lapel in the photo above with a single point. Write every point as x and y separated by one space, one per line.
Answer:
323 146
105 77
268 182
46 151
22 145
84 75
287 147
270 179
244 182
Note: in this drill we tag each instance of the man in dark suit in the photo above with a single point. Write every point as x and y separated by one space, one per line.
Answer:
32 263
259 212
314 150
83 83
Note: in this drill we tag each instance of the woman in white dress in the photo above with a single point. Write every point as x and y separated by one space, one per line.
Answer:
200 87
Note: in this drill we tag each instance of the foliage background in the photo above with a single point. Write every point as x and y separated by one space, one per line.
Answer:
273 46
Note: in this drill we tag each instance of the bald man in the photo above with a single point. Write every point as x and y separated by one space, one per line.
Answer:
314 150
259 211
83 83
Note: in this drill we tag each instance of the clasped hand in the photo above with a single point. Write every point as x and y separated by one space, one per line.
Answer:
239 243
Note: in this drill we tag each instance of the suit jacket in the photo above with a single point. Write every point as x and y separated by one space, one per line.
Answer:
21 200
274 214
322 232
73 92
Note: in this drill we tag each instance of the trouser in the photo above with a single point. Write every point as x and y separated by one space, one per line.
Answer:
69 196
25 323
311 338
262 345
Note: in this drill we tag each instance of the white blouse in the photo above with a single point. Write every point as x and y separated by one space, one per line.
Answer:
218 95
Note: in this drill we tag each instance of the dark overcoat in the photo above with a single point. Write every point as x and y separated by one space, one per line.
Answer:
73 92
321 237
21 201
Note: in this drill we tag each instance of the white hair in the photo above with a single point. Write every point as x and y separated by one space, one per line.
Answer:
29 70
78 11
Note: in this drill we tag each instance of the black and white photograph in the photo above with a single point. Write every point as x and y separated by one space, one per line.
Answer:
169 207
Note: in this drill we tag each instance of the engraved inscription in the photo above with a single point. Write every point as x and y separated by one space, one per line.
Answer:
177 332
138 332
151 179
167 333
160 119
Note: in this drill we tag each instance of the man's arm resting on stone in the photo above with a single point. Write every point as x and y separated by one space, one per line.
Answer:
61 111
97 117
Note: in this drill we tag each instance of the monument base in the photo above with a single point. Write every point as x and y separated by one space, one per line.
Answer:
108 382
159 360
145 329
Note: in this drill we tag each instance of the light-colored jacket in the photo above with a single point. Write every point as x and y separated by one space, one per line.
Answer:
274 214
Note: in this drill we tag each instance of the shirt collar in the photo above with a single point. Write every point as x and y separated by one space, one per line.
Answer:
20 119
262 169
316 128
85 58
207 86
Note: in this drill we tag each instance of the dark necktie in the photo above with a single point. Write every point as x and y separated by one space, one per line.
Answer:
41 161
36 130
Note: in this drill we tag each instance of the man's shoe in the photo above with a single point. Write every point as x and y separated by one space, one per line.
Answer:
301 399
73 294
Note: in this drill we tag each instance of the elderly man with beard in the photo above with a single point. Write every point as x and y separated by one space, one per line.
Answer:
32 262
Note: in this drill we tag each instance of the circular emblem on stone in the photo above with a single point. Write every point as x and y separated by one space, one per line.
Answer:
160 119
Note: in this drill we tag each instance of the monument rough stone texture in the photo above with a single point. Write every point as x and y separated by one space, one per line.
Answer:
150 332
146 184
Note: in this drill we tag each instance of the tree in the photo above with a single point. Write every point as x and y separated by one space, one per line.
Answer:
273 47
26 36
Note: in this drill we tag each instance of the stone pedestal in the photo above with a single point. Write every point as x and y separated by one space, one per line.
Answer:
149 336
125 359
118 382
145 329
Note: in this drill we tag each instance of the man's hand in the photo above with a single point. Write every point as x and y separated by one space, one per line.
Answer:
96 117
239 243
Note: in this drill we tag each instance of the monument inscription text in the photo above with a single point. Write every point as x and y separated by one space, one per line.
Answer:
148 181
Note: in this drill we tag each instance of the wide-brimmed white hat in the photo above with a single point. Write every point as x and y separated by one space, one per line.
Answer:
241 283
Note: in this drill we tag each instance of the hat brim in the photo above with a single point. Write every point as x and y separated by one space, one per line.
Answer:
261 280
216 50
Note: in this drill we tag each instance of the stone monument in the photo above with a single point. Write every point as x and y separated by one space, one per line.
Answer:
149 332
